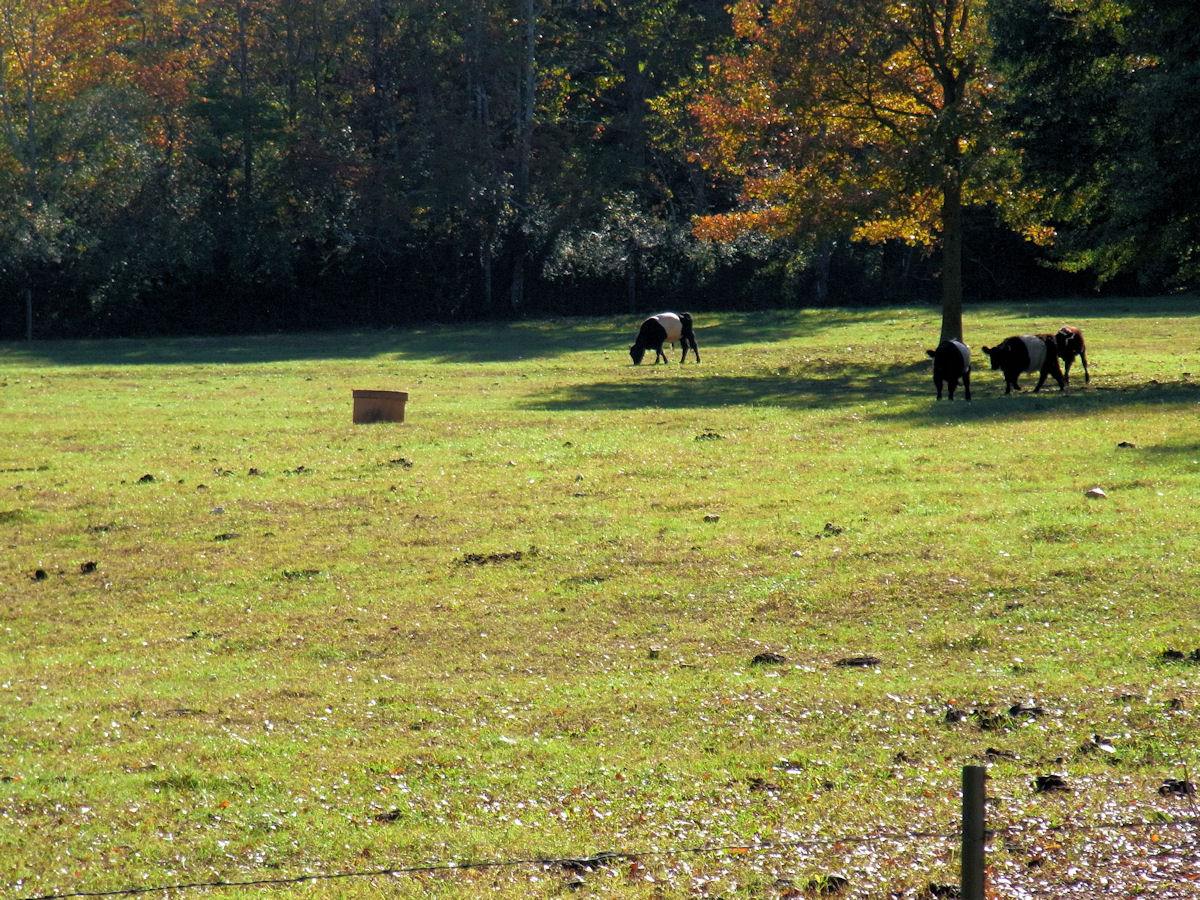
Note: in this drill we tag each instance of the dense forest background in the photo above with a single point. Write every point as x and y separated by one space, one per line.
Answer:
176 166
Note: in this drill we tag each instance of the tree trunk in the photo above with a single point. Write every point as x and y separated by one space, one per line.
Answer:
524 152
820 270
242 65
632 262
635 104
516 292
952 328
954 76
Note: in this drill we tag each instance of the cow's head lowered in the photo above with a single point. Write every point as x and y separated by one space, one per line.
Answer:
666 327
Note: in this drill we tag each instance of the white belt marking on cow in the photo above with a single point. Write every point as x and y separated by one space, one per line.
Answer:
673 326
1037 352
964 353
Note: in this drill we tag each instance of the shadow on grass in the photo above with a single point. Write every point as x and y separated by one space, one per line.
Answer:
910 385
1185 453
501 342
991 403
712 392
691 387
1085 308
550 338
476 342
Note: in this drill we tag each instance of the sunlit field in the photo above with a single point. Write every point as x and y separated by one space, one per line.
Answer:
723 629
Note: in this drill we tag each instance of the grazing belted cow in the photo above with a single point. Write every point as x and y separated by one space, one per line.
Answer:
667 327
1069 342
951 361
1026 353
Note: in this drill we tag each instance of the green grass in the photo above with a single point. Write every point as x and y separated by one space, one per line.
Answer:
522 624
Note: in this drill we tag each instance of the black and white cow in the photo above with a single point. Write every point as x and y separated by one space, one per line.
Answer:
1069 342
951 361
1027 353
667 327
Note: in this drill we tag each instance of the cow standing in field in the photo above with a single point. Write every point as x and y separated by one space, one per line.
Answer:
667 327
1027 353
951 361
1069 342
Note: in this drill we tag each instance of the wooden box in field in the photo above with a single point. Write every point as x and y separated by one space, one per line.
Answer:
379 406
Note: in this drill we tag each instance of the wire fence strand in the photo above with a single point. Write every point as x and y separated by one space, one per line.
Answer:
598 860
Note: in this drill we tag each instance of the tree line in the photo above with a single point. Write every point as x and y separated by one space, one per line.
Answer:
174 166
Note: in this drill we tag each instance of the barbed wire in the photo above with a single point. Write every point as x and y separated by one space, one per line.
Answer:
598 860
567 862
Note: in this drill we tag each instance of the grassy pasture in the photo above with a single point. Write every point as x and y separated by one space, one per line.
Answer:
243 639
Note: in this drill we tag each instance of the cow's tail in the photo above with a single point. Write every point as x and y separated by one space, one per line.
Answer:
685 322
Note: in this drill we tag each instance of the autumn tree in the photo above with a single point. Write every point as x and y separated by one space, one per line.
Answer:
867 117
67 139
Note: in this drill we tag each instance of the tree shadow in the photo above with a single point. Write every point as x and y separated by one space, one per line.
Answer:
475 342
548 338
1185 453
1081 309
909 384
991 403
691 387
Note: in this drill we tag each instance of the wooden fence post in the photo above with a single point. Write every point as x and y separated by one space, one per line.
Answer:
973 832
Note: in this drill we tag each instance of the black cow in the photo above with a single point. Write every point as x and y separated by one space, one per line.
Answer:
1027 353
1069 342
951 361
667 327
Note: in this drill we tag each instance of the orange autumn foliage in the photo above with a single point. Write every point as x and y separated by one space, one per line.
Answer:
848 116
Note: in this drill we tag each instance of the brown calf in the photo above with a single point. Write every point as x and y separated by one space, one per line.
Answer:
1069 343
